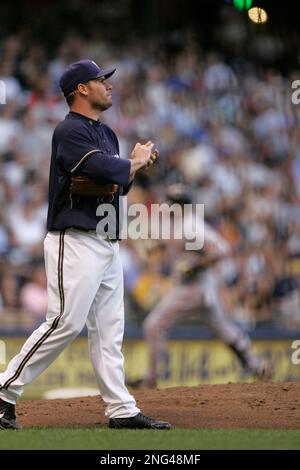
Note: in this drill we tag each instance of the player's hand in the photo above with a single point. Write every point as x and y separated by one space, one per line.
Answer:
142 152
153 159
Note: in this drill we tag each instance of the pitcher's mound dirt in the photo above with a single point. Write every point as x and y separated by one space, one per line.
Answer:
256 405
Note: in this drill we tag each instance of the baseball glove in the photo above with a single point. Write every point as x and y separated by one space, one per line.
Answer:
83 186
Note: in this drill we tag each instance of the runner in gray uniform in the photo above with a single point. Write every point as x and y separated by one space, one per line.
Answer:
196 293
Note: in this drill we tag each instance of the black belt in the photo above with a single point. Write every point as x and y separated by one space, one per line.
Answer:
94 231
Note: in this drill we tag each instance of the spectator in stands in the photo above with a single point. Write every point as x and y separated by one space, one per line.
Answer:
33 294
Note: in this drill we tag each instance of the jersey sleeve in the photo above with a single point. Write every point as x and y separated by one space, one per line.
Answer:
78 153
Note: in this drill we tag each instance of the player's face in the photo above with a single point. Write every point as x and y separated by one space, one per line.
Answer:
99 93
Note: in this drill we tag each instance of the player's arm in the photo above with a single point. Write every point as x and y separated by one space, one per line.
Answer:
77 153
215 245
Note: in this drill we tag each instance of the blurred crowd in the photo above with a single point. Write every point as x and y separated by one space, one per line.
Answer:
225 128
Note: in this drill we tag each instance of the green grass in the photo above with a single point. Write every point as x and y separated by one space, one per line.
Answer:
108 439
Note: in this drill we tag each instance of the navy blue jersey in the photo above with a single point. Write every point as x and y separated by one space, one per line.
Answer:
83 145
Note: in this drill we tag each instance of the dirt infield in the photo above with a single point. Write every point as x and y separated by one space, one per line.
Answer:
256 405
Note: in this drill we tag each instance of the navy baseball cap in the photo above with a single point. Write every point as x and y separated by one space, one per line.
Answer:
81 72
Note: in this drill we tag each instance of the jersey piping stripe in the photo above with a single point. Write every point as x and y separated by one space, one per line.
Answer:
55 322
83 159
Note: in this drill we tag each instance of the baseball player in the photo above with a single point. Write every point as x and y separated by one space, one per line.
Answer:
196 293
83 267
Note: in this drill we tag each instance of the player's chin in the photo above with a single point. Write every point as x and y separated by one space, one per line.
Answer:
104 106
108 103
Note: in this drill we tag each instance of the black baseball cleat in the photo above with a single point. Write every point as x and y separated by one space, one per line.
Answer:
264 371
8 416
139 421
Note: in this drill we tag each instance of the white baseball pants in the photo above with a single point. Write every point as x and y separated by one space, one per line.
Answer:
85 285
200 297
